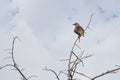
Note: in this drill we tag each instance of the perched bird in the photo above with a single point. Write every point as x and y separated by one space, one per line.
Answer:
78 30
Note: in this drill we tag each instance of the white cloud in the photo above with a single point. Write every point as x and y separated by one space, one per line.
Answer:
108 10
46 31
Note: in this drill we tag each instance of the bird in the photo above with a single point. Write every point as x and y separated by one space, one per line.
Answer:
79 30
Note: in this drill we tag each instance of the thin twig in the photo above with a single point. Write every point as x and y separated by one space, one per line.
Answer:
7 58
82 74
64 60
62 71
32 76
52 72
74 44
90 55
7 65
74 69
105 73
77 58
78 47
89 22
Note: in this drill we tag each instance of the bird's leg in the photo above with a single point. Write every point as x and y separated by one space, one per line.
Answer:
79 38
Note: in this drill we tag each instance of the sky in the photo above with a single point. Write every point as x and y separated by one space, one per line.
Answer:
46 35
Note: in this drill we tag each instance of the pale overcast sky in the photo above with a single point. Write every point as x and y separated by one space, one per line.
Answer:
46 32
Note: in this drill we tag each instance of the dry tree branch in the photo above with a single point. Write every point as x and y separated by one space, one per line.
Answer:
57 75
69 66
69 61
14 65
72 65
74 44
62 71
105 73
89 22
32 76
64 60
77 60
74 69
82 74
13 59
7 65
78 47
90 55
71 52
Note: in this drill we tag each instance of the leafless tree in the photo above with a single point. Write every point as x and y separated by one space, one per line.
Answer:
77 58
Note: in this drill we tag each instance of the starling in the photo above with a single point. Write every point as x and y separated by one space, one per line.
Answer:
78 30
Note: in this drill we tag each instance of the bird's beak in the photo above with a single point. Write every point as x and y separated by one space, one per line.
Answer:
74 24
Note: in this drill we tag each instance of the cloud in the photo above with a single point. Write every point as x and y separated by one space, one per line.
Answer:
108 9
46 32
110 43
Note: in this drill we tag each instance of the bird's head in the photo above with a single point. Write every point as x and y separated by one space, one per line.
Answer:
76 24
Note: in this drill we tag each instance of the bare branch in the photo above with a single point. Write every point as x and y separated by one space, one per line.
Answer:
69 62
82 74
7 58
62 71
12 53
72 65
32 76
74 69
64 60
78 47
89 22
52 72
74 44
90 55
7 65
14 65
105 73
77 58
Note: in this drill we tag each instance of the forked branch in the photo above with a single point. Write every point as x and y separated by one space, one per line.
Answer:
73 62
14 65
